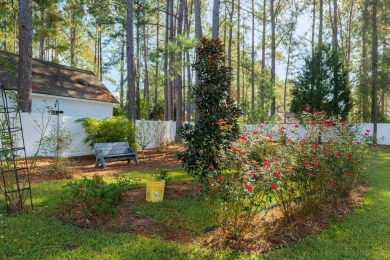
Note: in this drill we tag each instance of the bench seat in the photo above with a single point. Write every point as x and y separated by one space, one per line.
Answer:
116 151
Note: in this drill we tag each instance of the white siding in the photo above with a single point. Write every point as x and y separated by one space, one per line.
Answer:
72 106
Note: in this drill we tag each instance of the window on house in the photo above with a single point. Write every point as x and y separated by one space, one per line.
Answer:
56 112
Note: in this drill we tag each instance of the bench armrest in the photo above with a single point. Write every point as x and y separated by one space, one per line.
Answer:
131 150
98 152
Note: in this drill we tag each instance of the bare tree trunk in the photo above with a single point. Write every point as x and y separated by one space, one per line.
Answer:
230 43
273 55
364 78
187 23
41 36
130 60
321 22
262 90
313 26
238 54
166 55
178 81
374 52
253 61
146 80
73 40
335 28
171 83
157 58
198 22
122 71
215 26
348 61
25 56
138 72
100 55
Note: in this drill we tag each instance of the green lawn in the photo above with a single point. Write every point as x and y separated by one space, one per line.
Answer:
364 234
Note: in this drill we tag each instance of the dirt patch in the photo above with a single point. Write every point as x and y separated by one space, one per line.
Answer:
85 165
129 220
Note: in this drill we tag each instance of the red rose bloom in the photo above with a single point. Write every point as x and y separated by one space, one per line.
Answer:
211 167
296 125
315 112
332 184
255 132
244 138
266 163
243 153
273 186
316 164
337 154
276 174
235 149
220 177
307 108
315 145
343 123
314 123
307 163
249 188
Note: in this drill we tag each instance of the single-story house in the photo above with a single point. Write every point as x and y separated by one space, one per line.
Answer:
61 89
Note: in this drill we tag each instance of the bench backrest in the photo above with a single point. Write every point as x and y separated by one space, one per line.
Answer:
112 148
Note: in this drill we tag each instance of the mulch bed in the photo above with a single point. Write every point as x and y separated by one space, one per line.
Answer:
274 233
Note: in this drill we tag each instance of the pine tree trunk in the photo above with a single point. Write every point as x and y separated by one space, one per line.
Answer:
321 22
198 21
253 61
138 73
73 40
335 27
178 81
262 90
146 80
158 53
25 56
374 53
171 83
41 36
166 54
364 89
230 43
238 55
273 55
122 71
215 26
313 26
130 60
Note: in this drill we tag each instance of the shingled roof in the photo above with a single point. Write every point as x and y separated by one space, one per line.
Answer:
54 79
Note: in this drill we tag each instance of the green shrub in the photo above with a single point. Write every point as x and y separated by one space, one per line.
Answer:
113 129
91 197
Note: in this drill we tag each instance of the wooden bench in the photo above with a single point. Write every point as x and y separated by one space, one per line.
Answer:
110 152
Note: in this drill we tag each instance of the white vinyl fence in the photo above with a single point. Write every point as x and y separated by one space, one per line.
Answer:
150 133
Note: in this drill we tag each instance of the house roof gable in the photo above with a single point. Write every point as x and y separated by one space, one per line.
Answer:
54 79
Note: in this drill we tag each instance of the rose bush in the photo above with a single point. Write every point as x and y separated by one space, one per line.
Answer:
317 161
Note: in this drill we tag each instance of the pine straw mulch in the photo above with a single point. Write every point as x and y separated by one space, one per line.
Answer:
85 165
274 232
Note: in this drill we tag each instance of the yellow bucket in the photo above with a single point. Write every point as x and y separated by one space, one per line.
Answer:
155 190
